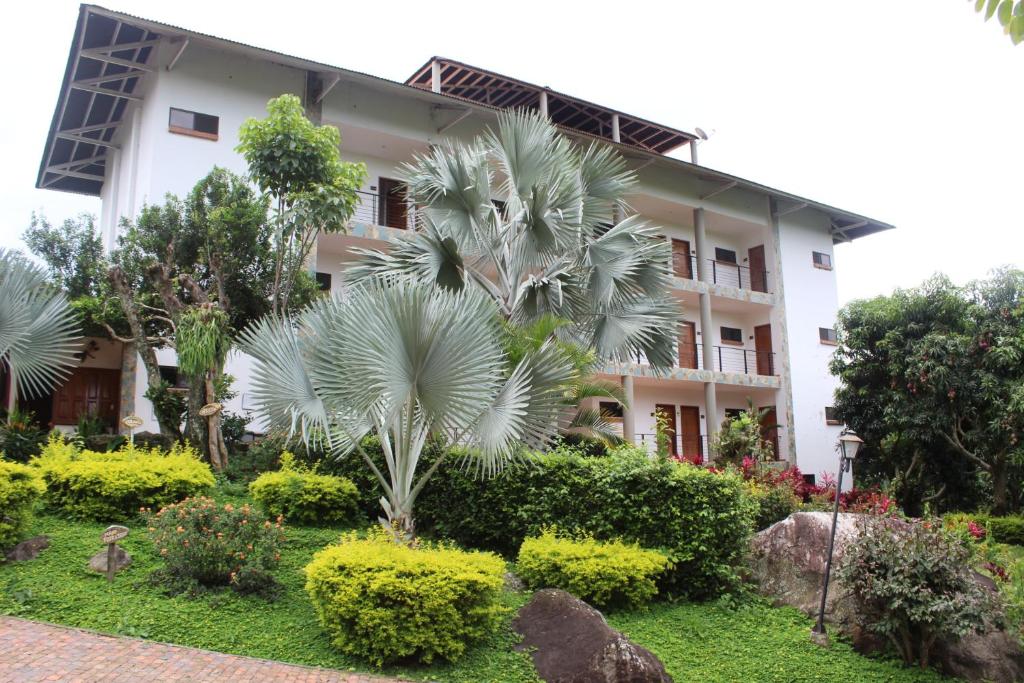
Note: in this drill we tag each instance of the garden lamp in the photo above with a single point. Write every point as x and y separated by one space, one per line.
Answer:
849 444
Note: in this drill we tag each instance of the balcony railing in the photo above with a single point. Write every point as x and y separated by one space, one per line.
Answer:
691 447
396 212
684 266
728 359
735 275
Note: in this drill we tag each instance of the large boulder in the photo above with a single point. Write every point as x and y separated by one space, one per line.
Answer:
28 549
572 643
788 564
98 562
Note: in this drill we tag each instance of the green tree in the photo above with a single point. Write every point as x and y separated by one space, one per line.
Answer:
202 342
1009 13
931 379
410 363
535 223
39 335
72 252
298 164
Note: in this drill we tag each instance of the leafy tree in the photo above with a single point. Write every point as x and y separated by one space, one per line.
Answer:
1009 13
410 363
73 253
39 335
931 379
555 243
299 165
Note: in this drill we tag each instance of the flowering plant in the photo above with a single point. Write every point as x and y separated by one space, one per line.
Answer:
205 544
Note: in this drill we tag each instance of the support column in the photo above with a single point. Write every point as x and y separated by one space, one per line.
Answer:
435 76
780 328
544 103
706 324
616 135
628 419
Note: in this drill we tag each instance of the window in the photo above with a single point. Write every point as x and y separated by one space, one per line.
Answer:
810 480
725 255
827 335
193 123
732 335
733 413
170 374
822 260
611 409
323 281
830 416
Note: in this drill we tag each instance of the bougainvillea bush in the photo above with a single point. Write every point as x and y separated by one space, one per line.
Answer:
206 545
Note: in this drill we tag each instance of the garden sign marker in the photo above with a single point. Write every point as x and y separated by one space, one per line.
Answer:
131 422
111 536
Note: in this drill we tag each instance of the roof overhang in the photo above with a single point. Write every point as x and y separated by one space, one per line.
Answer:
105 68
504 92
73 164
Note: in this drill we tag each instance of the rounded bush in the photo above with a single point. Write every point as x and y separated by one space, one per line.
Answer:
604 574
1009 530
305 497
206 544
116 485
20 487
386 602
774 502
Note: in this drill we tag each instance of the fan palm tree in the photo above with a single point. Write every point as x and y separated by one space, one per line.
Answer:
534 222
39 334
408 362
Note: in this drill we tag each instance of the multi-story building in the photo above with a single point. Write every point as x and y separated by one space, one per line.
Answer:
146 109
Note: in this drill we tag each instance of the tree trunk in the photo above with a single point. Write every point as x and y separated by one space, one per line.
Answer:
1000 485
145 350
196 427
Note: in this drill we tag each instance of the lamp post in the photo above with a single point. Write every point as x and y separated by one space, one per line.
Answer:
849 444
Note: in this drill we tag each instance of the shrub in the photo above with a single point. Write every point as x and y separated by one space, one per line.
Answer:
204 544
20 486
1009 530
611 573
21 438
700 519
912 584
115 485
305 497
774 502
387 602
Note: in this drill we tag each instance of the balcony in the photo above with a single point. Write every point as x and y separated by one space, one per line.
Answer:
734 275
690 447
390 210
728 359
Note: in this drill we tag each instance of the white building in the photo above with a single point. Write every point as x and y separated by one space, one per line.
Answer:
146 109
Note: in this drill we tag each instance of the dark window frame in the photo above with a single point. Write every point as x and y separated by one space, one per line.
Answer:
828 336
323 281
830 416
610 410
723 255
824 262
737 341
206 132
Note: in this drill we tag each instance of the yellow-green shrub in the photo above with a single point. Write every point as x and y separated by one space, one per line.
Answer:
602 573
116 485
305 497
386 602
20 486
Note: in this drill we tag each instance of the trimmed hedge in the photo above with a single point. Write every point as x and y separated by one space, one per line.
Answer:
117 485
20 486
604 574
387 602
1008 529
305 497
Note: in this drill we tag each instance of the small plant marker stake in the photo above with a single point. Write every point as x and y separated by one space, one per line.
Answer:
131 422
111 536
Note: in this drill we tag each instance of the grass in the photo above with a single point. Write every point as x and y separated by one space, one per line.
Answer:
697 642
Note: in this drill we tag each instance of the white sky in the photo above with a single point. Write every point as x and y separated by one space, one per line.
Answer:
907 111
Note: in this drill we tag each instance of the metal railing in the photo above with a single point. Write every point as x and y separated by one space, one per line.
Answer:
735 275
690 447
684 266
372 209
728 359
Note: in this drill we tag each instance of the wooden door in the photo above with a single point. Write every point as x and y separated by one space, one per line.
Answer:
682 265
769 428
758 274
763 350
94 391
688 345
393 207
689 433
669 412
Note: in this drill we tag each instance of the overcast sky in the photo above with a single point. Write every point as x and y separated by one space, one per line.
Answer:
907 111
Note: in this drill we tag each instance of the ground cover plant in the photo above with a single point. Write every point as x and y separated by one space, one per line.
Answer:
697 641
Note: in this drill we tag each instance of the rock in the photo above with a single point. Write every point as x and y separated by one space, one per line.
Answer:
513 583
572 643
788 564
28 549
98 562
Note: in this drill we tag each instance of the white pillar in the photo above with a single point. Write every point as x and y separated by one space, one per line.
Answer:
706 322
435 76
544 103
616 137
628 419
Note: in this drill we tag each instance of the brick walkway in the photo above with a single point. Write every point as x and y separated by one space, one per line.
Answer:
33 652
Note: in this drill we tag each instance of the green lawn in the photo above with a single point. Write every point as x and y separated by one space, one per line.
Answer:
696 642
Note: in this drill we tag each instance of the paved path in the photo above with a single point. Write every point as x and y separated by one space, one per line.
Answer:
33 652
